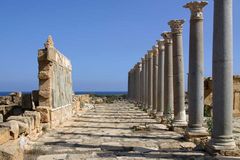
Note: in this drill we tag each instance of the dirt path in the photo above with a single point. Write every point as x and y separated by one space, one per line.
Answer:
106 132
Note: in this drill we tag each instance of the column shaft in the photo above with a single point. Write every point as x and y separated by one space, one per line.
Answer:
168 75
222 137
150 79
178 74
196 68
161 54
155 78
146 81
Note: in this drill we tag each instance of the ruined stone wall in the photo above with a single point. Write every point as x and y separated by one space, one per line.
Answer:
55 85
236 94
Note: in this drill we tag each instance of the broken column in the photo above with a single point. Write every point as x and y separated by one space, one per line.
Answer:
196 71
155 78
222 136
178 74
160 107
168 75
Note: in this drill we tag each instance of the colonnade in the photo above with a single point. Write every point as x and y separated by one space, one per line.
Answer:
156 83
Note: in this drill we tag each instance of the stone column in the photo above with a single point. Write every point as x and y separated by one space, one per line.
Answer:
222 137
160 107
143 82
150 80
155 78
134 84
129 85
196 71
139 69
178 73
168 75
146 81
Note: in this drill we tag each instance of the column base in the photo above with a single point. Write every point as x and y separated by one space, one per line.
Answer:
191 134
167 118
224 147
149 109
179 123
159 114
178 126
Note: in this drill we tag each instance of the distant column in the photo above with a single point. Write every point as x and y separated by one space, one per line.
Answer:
150 79
135 83
161 55
178 73
155 78
146 81
222 136
129 85
143 83
139 69
196 69
168 75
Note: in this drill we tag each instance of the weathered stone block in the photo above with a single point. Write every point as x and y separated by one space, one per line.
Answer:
36 116
27 120
43 75
14 128
23 127
11 151
44 113
4 135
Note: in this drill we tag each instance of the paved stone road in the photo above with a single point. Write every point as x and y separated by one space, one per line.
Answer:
105 132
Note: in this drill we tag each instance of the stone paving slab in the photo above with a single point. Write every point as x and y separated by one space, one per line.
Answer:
106 132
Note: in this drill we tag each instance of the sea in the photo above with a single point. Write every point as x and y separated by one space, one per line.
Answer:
83 92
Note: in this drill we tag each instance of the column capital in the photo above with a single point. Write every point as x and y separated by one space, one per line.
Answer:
176 26
155 50
161 44
167 36
150 54
143 60
146 57
139 65
196 9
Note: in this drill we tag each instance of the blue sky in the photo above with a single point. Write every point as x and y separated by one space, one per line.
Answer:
102 38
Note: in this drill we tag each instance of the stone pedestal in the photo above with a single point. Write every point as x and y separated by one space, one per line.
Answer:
222 136
178 73
196 73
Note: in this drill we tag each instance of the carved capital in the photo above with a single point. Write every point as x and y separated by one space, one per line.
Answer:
146 57
196 9
167 36
150 54
49 43
143 60
176 26
155 50
161 44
